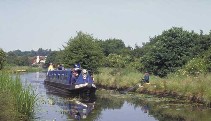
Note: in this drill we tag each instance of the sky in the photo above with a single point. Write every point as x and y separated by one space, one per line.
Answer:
48 24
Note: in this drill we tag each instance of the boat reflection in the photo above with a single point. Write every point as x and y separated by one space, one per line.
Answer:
79 110
74 106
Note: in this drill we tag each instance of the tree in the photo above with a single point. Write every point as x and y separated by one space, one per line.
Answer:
170 51
2 58
11 58
83 49
52 58
22 61
113 46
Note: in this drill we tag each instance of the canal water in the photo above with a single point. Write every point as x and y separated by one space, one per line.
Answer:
54 105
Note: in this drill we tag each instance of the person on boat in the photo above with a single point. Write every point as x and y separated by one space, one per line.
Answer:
60 67
84 73
63 67
50 67
74 77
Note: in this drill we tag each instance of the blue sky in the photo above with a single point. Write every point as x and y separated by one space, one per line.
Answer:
31 24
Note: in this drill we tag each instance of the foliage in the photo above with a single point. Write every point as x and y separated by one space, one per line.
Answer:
52 57
194 67
22 61
113 46
170 51
2 58
22 58
40 52
13 59
123 61
114 60
83 49
7 108
23 99
207 58
117 77
136 64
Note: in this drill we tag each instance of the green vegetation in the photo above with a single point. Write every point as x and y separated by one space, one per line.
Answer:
117 77
16 102
25 58
189 87
2 58
172 50
163 54
178 60
84 50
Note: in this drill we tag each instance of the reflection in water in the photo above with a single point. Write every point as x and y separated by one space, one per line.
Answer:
109 105
145 108
75 106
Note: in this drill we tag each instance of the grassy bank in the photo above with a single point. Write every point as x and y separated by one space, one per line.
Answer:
16 102
120 78
193 88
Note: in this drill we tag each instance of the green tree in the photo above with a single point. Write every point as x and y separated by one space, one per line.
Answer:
170 51
114 60
52 58
83 49
113 46
22 61
11 58
2 58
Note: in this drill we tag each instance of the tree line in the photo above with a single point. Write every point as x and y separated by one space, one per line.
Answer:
23 58
175 50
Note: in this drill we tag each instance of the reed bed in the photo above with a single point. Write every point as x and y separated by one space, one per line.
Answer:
22 99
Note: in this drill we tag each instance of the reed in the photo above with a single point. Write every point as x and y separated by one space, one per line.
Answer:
23 97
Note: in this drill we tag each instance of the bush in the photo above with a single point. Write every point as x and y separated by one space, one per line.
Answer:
194 67
2 58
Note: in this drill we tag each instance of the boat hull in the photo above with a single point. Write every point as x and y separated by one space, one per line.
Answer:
74 88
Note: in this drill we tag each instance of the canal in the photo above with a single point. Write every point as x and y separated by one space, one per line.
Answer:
54 105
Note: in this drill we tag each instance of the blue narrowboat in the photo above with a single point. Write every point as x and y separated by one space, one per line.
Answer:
63 79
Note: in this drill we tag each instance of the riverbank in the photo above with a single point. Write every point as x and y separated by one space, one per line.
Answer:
16 102
196 89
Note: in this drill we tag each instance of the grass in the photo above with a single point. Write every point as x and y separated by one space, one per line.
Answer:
117 78
19 101
188 86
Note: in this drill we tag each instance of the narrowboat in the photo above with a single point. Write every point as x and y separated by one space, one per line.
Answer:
67 81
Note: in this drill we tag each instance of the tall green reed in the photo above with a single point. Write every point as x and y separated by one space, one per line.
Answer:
23 97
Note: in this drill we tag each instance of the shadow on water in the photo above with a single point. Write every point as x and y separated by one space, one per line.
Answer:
110 105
